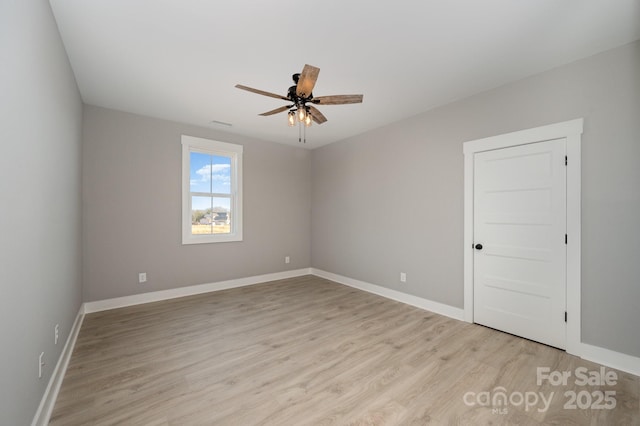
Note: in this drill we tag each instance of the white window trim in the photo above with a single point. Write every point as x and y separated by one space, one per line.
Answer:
189 144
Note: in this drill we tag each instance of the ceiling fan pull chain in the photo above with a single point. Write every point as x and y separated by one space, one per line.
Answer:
299 132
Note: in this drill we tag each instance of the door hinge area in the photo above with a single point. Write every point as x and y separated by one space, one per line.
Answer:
565 238
565 316
566 160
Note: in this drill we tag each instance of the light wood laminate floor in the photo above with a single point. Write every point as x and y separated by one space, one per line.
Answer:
307 351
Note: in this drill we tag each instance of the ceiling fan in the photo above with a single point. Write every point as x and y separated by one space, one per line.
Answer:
301 98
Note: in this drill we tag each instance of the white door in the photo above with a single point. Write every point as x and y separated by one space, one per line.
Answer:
519 277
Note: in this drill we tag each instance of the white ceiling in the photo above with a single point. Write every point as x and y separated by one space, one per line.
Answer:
180 59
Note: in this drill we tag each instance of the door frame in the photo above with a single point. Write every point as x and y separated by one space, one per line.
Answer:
572 131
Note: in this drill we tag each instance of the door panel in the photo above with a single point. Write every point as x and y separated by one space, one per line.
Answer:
520 220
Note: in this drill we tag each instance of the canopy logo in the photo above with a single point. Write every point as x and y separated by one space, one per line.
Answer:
499 400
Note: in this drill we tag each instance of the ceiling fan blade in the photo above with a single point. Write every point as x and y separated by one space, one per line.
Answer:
261 92
277 110
316 115
338 99
307 81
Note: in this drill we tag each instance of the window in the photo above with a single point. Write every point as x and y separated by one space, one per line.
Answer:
211 191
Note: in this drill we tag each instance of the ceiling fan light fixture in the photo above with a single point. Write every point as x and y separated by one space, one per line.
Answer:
291 118
307 120
302 114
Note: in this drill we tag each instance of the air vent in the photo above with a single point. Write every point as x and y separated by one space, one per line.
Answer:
221 123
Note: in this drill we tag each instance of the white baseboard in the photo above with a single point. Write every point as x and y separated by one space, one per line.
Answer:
155 296
53 387
613 359
418 302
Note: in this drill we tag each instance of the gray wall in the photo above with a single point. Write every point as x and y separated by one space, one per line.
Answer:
391 200
40 217
131 208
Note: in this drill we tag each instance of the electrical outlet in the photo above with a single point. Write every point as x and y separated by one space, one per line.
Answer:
403 277
287 259
56 334
142 277
40 364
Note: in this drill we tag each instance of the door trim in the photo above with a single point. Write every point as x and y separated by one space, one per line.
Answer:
572 131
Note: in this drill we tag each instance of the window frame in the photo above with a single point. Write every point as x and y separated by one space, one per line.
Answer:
208 146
